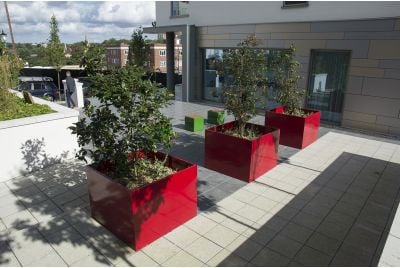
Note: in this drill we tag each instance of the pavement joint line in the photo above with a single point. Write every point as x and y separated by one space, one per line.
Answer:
273 187
289 163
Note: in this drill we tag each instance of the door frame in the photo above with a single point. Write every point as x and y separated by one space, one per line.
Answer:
344 89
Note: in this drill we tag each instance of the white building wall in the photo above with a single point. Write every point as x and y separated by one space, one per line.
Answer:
206 13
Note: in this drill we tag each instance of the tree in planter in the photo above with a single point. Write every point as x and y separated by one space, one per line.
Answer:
286 72
126 127
244 70
55 49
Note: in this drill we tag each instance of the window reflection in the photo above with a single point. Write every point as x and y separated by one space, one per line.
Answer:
213 79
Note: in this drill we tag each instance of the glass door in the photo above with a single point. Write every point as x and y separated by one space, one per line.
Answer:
327 83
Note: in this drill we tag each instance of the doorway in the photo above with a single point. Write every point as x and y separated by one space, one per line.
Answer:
327 83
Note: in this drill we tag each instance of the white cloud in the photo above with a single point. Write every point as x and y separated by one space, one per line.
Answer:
98 20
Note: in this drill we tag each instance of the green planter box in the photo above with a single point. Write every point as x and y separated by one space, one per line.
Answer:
194 123
216 117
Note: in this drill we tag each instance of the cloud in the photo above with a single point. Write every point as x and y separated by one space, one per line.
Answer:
98 20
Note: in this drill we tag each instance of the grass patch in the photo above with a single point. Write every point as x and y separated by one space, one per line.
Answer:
13 107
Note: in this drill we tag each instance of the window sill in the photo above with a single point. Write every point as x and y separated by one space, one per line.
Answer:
179 16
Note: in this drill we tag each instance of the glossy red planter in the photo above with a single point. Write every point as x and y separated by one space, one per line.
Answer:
241 158
296 131
140 216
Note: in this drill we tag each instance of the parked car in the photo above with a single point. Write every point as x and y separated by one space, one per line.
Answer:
38 86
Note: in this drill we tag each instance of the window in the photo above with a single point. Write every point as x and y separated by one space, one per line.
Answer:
327 83
214 80
288 4
162 52
163 63
179 8
126 52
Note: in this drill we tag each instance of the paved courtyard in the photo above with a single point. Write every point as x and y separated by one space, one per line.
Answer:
331 204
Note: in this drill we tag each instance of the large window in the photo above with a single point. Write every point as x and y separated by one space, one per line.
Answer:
213 79
327 83
179 8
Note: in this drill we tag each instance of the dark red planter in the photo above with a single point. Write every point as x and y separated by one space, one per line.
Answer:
241 158
140 216
296 131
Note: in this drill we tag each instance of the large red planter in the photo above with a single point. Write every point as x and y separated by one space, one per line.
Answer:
140 216
296 131
241 158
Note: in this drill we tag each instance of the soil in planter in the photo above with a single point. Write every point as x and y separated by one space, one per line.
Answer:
250 133
145 171
298 112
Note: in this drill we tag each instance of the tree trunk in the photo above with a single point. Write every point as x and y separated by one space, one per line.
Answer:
59 89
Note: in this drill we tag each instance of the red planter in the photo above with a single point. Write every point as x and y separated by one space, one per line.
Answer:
296 131
140 216
241 158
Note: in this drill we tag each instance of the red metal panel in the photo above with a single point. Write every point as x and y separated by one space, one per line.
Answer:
241 158
140 216
296 131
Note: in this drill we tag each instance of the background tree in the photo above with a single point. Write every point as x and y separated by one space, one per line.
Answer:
138 49
244 70
286 72
92 58
55 49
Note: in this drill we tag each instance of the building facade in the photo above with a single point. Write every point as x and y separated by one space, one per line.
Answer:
117 56
349 52
158 57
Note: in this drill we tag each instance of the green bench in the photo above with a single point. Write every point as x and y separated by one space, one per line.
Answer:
194 123
216 117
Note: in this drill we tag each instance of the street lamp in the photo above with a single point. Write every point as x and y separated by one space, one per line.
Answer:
3 36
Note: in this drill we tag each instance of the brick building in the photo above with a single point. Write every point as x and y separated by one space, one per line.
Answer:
117 56
158 57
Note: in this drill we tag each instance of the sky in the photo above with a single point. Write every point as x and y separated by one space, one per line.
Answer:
97 20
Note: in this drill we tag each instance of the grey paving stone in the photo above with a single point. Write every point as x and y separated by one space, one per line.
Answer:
94 260
323 243
262 235
311 257
334 230
183 259
296 232
200 224
233 261
20 220
307 220
363 238
53 260
203 249
268 257
285 246
286 212
73 250
244 247
7 257
182 236
346 258
221 235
